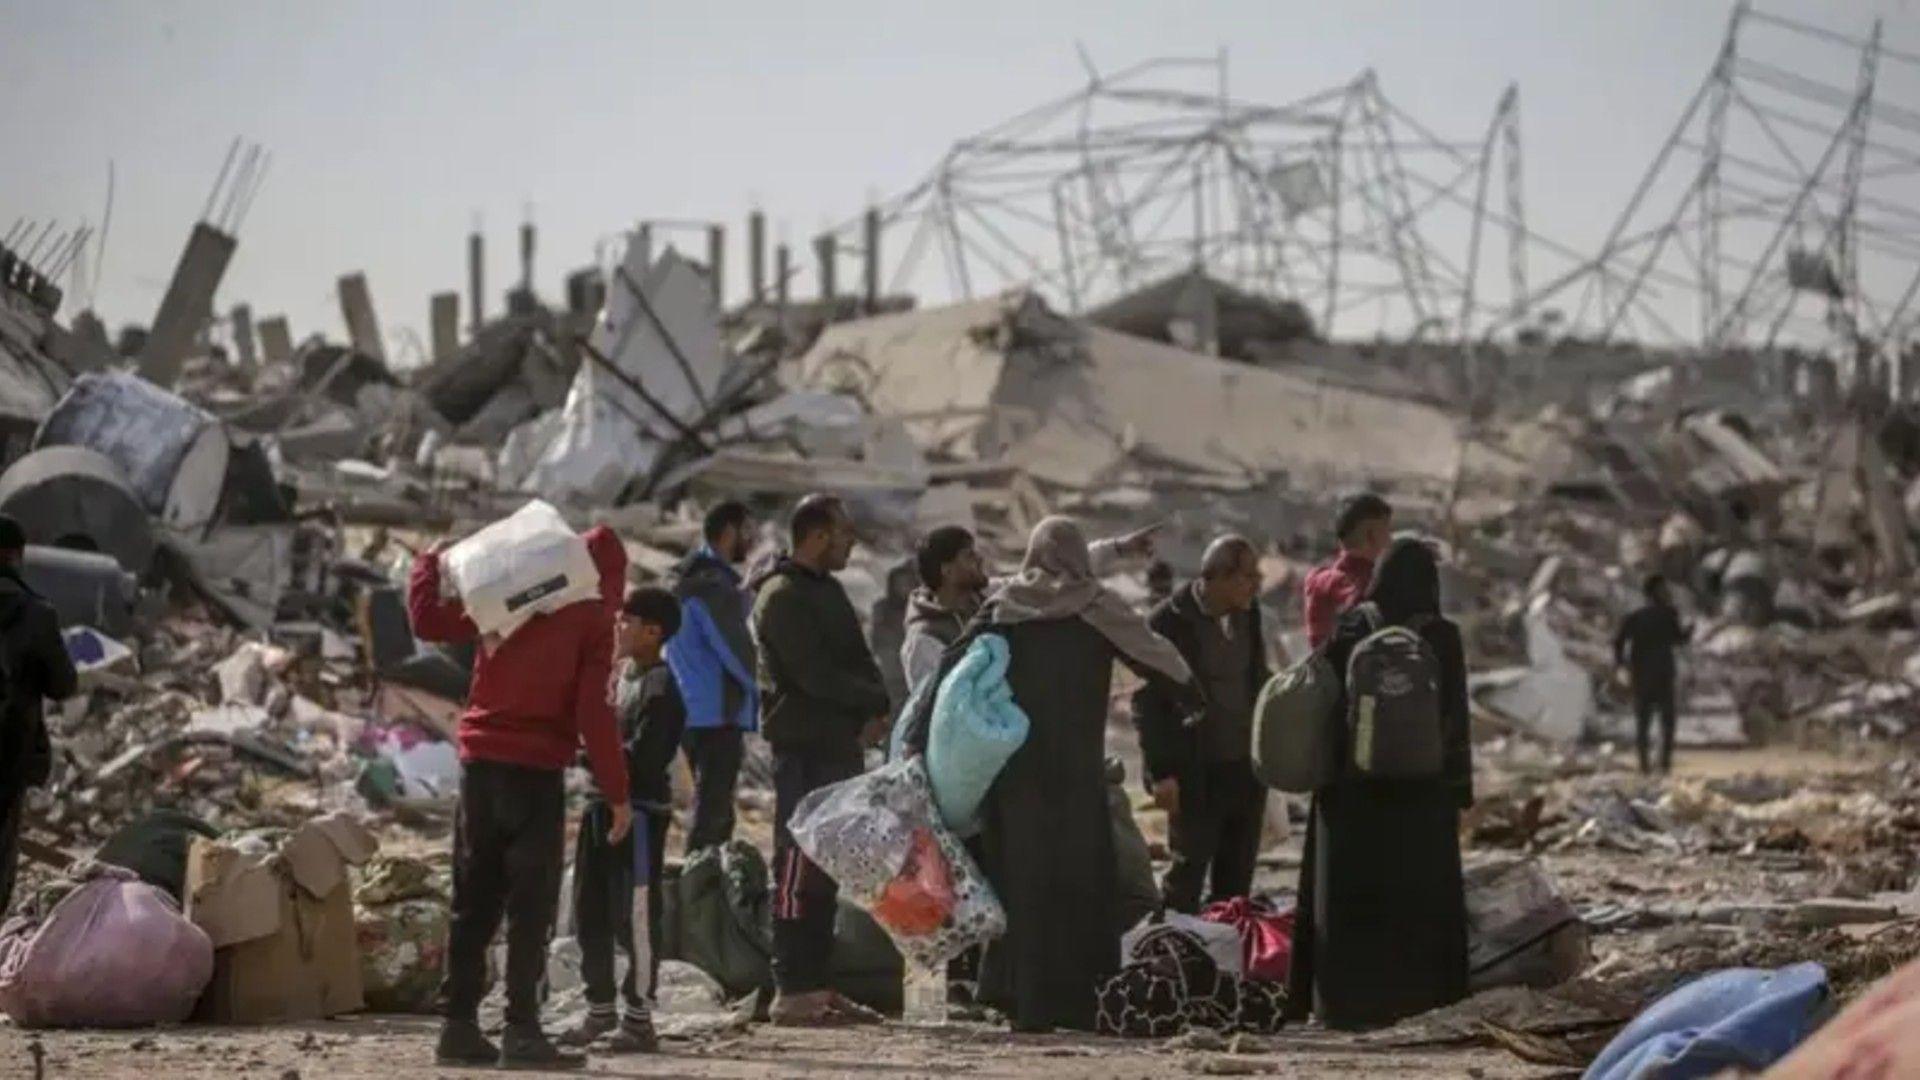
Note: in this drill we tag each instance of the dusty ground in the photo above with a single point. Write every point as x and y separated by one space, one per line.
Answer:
381 1048
1630 962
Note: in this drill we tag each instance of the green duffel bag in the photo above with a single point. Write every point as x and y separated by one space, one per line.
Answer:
716 915
1296 727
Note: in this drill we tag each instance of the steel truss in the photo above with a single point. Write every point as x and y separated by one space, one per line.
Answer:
1780 210
1340 200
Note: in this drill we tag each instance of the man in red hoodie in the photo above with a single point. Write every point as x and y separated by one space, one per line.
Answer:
1364 529
537 696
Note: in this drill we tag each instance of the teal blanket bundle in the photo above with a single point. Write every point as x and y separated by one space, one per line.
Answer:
976 728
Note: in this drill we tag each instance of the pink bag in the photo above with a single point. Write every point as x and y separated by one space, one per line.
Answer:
116 952
1266 936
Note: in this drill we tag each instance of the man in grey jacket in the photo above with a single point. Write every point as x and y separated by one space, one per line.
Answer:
1202 773
953 582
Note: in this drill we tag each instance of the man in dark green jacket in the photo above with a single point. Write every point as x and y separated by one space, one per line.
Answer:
821 699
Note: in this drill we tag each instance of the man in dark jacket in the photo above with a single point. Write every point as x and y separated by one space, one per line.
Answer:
1202 773
36 668
712 660
822 699
616 883
1645 648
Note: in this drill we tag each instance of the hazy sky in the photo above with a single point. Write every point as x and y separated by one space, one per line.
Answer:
393 123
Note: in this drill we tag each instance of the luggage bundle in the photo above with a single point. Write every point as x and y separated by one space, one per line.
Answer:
114 952
529 563
1391 729
1180 973
879 835
716 915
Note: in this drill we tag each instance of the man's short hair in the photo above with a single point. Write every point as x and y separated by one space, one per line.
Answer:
1227 555
1357 511
814 513
937 549
730 514
1653 584
654 606
13 538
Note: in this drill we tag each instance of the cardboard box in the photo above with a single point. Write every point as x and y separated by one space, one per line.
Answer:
282 924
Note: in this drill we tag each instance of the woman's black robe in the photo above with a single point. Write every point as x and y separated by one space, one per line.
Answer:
1046 839
1381 931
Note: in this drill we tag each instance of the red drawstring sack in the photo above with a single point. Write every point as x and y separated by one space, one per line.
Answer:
919 900
1266 935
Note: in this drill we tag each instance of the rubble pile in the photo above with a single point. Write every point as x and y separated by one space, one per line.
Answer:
229 556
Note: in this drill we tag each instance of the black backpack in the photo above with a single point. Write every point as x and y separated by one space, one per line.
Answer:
1393 702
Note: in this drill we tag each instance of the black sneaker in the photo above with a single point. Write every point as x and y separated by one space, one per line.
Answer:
635 1035
590 1028
462 1043
528 1048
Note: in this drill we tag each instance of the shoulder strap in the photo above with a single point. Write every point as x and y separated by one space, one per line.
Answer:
1370 611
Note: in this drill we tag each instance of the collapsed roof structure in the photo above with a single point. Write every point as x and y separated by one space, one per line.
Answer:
1006 379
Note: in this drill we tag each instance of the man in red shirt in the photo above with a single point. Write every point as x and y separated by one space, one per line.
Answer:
537 696
1365 528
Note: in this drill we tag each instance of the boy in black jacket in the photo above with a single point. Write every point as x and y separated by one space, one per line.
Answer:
615 886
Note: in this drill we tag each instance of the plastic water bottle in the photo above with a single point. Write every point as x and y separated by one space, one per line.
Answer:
926 995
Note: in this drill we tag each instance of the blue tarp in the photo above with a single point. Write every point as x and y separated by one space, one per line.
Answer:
1745 1018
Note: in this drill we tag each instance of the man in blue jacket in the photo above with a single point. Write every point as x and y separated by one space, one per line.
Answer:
713 660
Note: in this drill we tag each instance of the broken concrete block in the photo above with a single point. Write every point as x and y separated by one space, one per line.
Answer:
76 497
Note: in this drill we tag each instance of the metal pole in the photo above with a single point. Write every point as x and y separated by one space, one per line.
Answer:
1479 220
871 257
1710 203
782 272
476 278
1516 212
826 248
757 255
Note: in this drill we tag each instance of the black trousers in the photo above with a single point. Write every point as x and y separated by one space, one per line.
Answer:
1653 698
805 899
1215 834
13 811
604 878
714 755
509 838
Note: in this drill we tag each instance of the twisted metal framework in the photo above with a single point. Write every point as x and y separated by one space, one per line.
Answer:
1340 200
1780 210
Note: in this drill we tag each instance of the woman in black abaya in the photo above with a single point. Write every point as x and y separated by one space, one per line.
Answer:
1381 932
1046 839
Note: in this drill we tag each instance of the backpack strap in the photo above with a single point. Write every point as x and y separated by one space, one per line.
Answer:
1370 611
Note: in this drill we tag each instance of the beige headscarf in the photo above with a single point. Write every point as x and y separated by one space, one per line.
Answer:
1056 582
